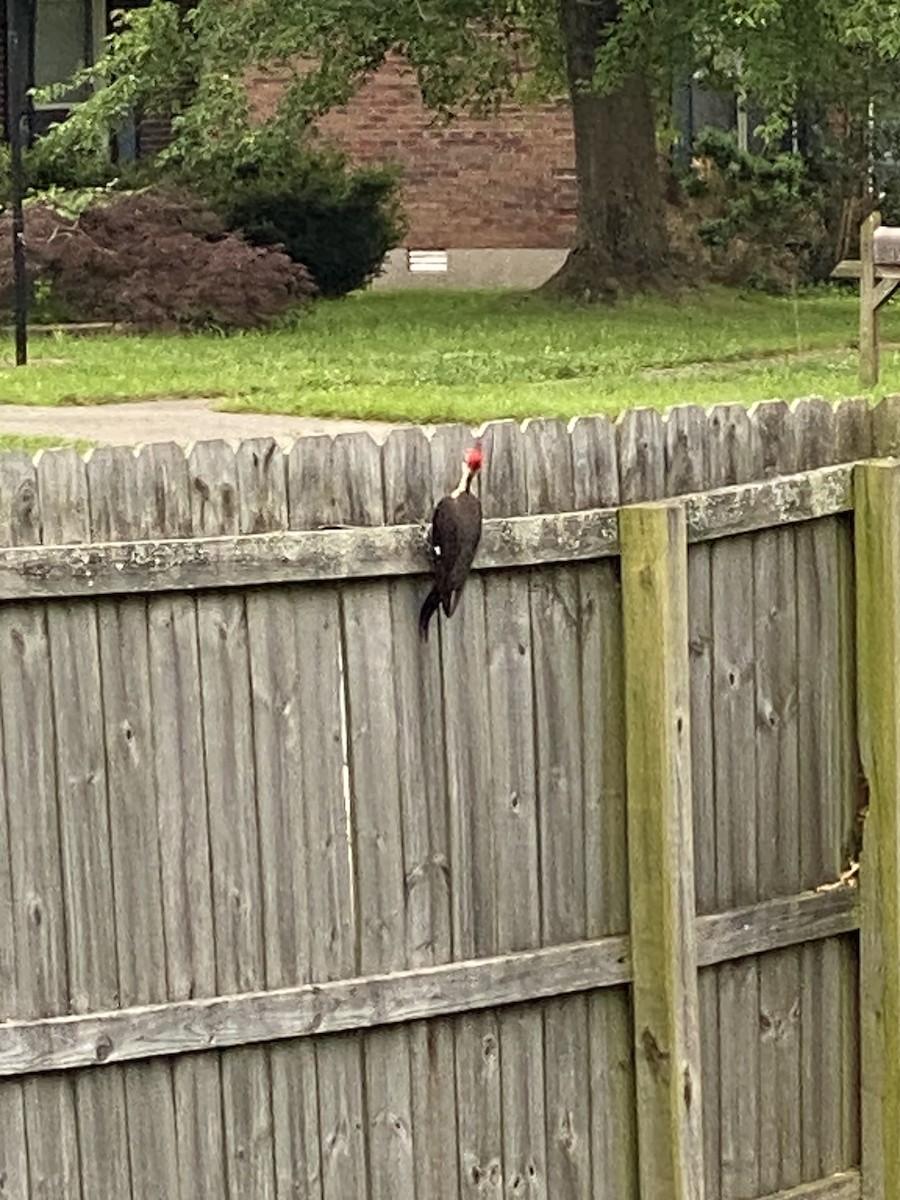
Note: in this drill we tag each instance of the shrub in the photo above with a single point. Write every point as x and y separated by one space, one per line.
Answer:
338 221
153 259
761 219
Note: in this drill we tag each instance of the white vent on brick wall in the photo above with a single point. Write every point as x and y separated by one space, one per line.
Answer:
427 261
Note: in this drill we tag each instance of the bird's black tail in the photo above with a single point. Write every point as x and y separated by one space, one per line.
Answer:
429 608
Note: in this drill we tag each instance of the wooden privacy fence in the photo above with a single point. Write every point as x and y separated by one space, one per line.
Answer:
294 907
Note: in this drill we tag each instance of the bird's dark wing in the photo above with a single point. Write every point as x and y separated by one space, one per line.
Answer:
444 540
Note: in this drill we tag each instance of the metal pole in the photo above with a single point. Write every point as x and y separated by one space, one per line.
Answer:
17 87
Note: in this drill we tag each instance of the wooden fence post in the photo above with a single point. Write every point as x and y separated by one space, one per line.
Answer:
877 536
660 851
868 309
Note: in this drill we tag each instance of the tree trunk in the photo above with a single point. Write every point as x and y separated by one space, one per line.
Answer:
621 241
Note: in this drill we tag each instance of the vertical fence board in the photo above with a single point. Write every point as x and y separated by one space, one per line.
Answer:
611 1054
84 829
473 876
733 451
731 448
332 892
642 455
821 800
559 754
30 774
233 827
175 685
372 717
116 512
854 799
877 527
818 707
515 823
778 834
276 666
660 850
886 427
778 851
19 932
688 434
852 430
419 719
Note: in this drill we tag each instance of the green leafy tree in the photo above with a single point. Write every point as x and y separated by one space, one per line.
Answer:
614 59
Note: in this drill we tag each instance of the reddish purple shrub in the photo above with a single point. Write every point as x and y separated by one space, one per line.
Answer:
153 260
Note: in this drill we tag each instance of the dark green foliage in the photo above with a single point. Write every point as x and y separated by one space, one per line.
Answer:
276 187
338 223
761 217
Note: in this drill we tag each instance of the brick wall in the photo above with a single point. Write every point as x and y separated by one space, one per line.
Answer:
501 182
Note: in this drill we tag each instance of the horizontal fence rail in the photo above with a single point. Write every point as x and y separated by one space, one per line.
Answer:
63 1043
332 555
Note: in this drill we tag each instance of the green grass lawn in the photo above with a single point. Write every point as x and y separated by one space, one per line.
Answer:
431 356
31 444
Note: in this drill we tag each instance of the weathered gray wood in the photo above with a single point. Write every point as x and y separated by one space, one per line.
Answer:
821 805
886 427
233 828
349 1003
777 449
776 924
642 460
116 512
514 817
853 430
814 424
331 887
408 497
846 1185
559 752
775 638
595 462
473 878
374 710
34 850
877 540
177 732
852 800
83 803
660 850
18 506
731 450
322 555
784 501
773 439
299 557
276 664
689 434
733 459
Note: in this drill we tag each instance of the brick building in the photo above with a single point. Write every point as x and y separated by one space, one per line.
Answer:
496 194
489 201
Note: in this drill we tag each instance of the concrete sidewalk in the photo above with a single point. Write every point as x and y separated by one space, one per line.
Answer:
167 421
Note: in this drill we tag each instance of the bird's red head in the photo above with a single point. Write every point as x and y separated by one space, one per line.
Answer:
473 457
